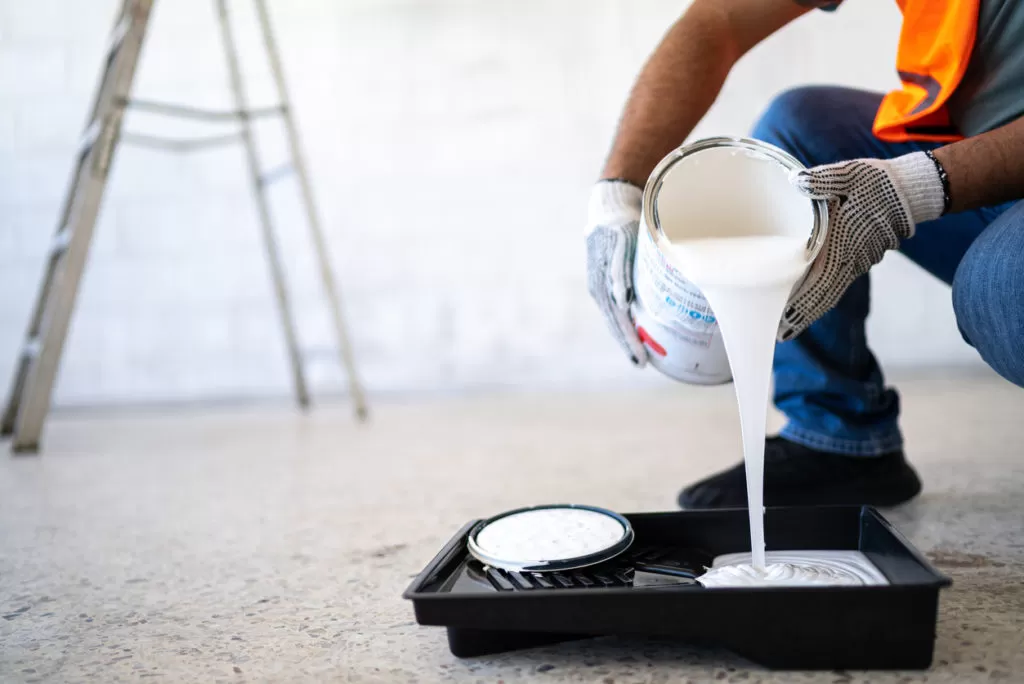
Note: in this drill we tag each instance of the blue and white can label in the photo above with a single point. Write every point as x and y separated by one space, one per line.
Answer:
674 321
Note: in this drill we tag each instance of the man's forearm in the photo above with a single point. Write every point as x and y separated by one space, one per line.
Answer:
674 90
683 76
986 169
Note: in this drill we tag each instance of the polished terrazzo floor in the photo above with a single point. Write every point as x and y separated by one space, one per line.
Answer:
255 544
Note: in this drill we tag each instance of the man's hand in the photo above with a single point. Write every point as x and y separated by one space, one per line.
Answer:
872 204
612 228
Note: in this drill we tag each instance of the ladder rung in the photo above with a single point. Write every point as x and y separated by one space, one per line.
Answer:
178 144
258 112
60 242
275 174
117 35
187 112
31 348
89 136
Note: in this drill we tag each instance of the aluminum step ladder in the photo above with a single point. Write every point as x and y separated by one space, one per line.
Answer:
36 367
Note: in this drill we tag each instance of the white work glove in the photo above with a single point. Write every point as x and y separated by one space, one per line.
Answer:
872 205
613 223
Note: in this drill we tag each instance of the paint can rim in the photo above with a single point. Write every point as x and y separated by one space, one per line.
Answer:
759 148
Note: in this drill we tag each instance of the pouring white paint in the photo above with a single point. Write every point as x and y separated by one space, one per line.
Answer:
747 281
739 231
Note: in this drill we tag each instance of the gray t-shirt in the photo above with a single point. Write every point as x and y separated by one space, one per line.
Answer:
991 92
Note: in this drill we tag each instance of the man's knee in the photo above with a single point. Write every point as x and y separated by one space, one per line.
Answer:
988 295
822 124
790 111
813 123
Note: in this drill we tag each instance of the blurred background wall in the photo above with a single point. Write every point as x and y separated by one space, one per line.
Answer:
451 144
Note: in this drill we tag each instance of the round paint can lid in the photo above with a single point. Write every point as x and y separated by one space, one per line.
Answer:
550 538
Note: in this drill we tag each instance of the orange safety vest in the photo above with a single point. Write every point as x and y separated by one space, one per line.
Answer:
935 46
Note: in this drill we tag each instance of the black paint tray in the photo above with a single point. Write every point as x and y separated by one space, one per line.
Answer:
869 627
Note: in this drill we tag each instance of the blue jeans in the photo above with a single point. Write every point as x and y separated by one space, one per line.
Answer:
827 381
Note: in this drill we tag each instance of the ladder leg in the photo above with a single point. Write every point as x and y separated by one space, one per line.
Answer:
30 349
327 278
14 394
36 370
269 240
31 346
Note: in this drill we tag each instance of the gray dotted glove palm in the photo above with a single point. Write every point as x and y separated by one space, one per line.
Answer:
613 223
873 204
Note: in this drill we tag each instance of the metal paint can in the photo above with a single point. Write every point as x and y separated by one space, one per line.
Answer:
672 317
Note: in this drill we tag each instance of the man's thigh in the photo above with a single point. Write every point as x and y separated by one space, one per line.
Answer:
988 294
939 246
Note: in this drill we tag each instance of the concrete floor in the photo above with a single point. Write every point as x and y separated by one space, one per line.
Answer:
259 545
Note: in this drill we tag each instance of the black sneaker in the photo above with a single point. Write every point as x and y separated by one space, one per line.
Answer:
795 475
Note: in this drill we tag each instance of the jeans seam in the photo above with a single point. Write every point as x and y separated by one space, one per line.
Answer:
873 446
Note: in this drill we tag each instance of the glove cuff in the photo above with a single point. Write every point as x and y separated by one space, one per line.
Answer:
917 178
614 202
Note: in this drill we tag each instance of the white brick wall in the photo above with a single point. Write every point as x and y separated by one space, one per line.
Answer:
451 145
